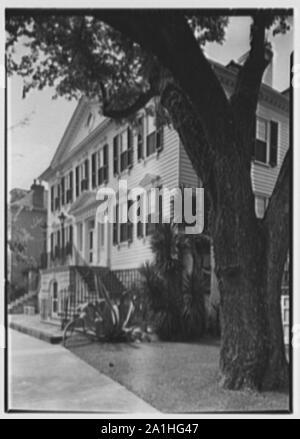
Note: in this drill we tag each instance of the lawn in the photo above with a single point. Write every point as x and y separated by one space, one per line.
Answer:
173 377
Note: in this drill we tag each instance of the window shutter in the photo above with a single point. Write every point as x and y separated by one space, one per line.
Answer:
62 183
86 173
129 223
58 197
52 198
70 198
105 162
130 147
116 154
52 245
159 139
77 180
116 227
273 143
140 138
94 175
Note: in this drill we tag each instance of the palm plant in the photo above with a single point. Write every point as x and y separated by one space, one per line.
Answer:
175 283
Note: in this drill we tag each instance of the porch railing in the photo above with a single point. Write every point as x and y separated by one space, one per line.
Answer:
62 256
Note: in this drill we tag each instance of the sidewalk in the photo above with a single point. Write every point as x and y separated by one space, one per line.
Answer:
33 326
45 377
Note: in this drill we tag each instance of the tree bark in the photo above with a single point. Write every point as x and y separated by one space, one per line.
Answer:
251 352
218 136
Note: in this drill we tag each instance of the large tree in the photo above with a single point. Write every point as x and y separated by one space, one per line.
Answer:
124 59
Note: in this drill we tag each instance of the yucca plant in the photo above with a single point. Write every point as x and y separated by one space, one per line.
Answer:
175 283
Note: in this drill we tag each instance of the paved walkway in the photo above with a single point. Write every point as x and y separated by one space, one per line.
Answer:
45 377
33 326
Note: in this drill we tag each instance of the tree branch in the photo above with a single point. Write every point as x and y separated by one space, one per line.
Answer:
123 113
250 75
167 35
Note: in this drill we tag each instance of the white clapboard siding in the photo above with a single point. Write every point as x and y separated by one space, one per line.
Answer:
165 165
187 174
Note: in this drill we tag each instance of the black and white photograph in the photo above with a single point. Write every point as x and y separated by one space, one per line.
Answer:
148 208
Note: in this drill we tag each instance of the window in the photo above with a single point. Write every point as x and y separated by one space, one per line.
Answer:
155 206
154 137
266 143
123 150
123 231
69 192
140 224
261 140
261 204
52 245
57 197
80 236
69 239
54 298
102 165
84 171
123 226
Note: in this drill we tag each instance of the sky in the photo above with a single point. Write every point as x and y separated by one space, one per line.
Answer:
31 145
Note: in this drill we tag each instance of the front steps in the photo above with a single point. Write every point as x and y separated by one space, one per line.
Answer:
29 299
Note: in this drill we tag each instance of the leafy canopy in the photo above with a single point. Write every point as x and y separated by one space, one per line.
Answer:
80 54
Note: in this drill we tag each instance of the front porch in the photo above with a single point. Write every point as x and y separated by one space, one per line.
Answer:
64 287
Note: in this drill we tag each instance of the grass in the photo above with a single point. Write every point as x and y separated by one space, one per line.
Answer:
174 377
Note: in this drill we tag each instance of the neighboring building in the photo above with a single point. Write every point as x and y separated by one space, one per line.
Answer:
96 152
27 218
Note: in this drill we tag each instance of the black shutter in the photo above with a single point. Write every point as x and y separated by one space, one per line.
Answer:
140 138
273 143
77 180
159 139
86 173
105 162
116 154
116 227
52 199
94 174
71 186
130 147
62 183
58 197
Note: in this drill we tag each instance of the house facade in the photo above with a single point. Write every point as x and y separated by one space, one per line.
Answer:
27 217
97 152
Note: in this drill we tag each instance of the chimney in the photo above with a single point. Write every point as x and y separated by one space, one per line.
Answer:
37 194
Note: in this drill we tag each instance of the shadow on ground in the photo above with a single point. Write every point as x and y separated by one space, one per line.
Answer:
173 377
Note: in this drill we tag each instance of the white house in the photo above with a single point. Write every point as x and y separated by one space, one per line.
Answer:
97 152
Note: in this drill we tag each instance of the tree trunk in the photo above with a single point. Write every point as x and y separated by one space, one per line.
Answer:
252 339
